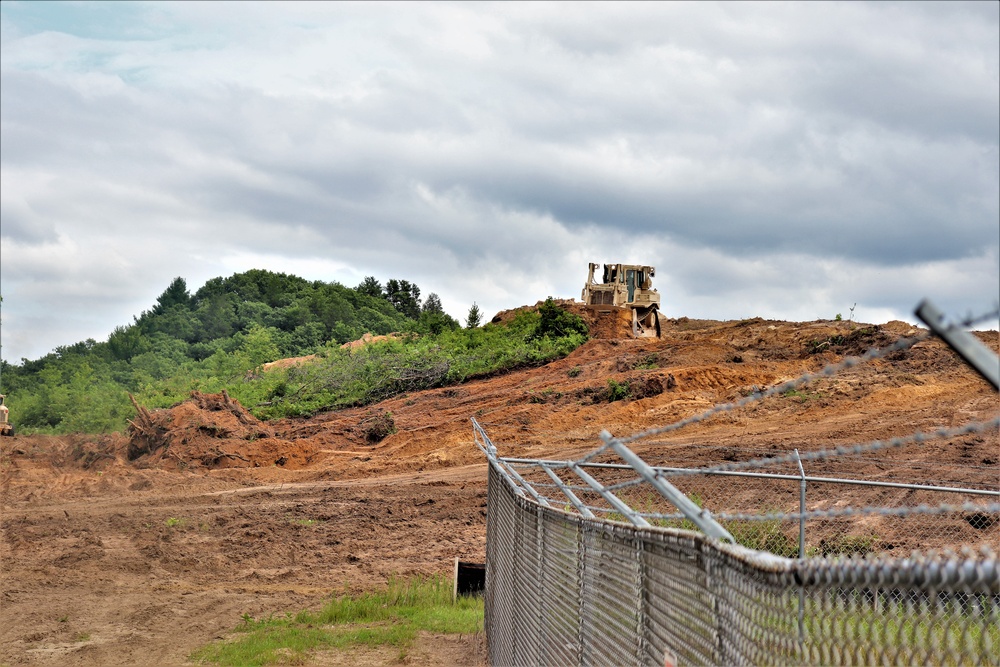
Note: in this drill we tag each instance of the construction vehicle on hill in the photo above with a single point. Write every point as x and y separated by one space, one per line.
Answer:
6 428
626 286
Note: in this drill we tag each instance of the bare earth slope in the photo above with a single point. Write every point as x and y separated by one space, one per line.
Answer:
118 553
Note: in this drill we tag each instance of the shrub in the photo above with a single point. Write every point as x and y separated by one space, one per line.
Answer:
848 545
555 322
618 391
377 428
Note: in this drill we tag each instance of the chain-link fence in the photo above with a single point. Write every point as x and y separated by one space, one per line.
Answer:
609 559
792 515
564 589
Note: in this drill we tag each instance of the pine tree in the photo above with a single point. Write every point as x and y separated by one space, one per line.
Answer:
176 294
473 319
433 304
371 287
404 297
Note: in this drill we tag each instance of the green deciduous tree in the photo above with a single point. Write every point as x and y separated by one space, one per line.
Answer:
556 322
126 342
435 322
218 317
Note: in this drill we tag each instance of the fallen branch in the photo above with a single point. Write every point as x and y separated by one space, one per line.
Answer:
221 453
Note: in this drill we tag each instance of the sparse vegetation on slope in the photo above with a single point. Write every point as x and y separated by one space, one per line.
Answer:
378 370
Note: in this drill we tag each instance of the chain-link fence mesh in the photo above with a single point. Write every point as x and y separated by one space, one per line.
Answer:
566 589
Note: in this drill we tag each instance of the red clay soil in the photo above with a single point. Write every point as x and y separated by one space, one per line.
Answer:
138 548
210 431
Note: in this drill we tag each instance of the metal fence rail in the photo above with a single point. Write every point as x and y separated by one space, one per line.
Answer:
564 589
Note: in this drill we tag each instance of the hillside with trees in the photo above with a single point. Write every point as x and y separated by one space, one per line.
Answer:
220 337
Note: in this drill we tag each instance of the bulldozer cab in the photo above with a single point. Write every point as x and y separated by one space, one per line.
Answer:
626 286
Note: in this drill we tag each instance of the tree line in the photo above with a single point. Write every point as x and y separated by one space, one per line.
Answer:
219 336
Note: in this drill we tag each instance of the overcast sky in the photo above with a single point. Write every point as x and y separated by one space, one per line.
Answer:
777 160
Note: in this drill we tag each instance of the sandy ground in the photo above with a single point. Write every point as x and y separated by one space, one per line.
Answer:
112 560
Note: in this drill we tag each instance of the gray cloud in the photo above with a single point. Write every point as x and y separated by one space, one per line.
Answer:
787 159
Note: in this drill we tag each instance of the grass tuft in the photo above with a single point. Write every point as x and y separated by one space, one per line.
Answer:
389 617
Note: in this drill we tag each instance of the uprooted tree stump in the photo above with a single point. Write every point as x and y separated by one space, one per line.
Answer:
145 434
209 430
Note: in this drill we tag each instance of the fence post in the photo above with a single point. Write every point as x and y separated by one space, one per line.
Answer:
802 544
583 555
640 583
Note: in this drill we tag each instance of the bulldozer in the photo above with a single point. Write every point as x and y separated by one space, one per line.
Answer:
626 286
6 428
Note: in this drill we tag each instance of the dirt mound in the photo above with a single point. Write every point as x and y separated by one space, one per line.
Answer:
290 361
607 324
505 316
367 338
211 431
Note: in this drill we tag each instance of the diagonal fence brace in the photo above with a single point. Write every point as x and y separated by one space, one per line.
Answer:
698 516
540 499
968 346
612 499
580 507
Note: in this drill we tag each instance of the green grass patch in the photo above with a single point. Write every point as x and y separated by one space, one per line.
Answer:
763 536
390 617
801 396
648 362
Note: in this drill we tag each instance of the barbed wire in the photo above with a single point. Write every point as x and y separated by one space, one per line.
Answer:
845 450
923 509
527 467
638 482
805 378
971 321
944 508
828 371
